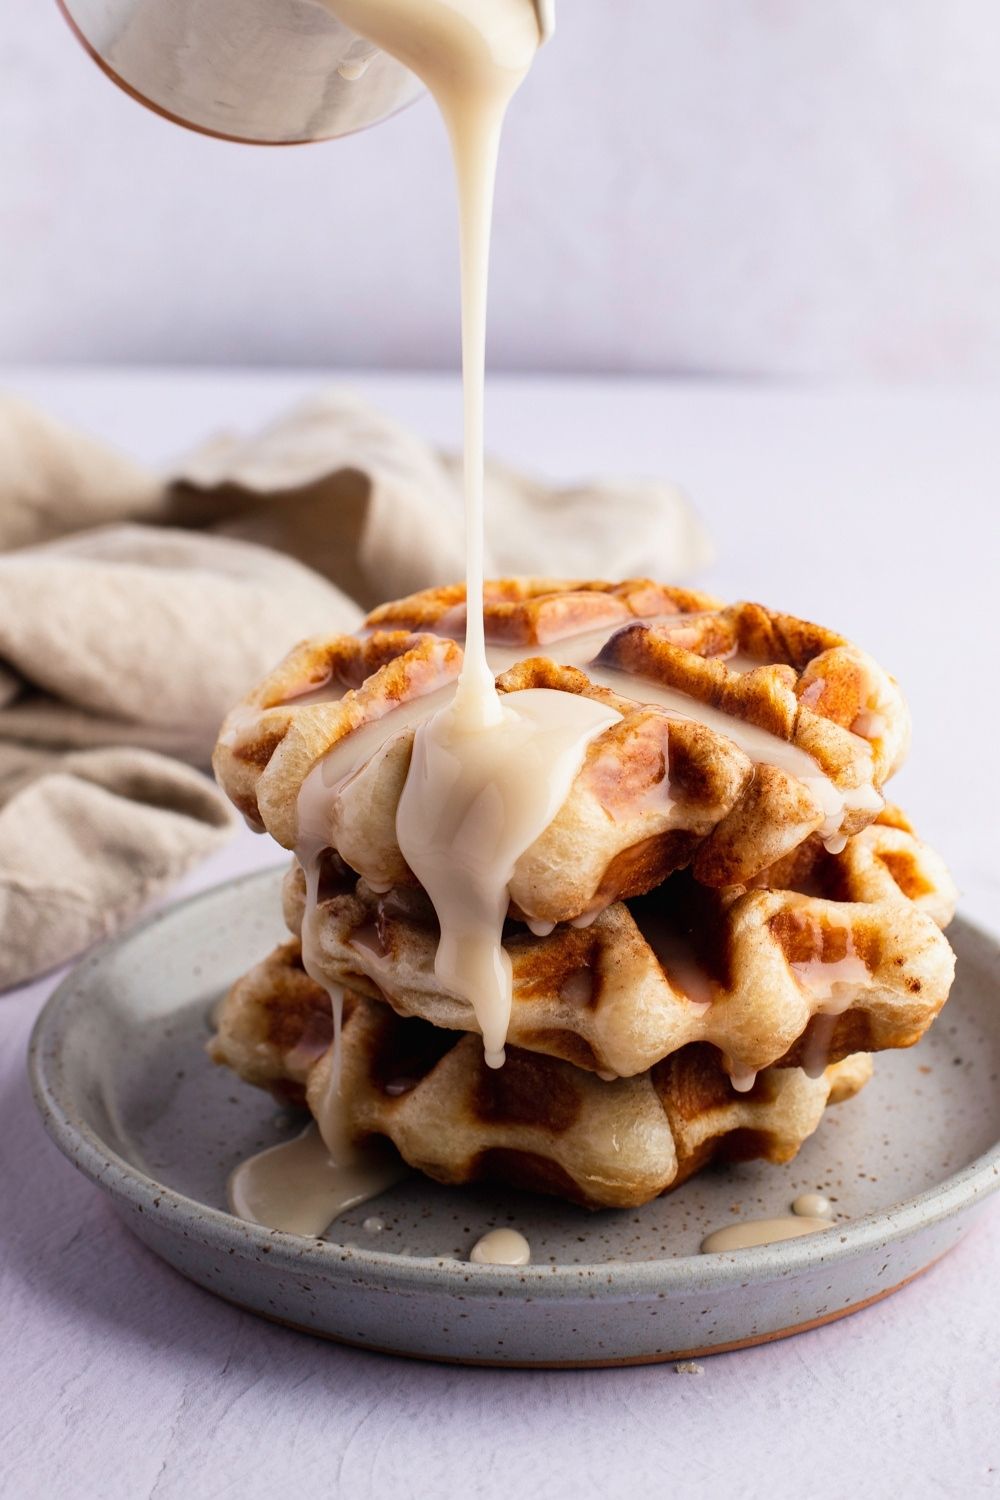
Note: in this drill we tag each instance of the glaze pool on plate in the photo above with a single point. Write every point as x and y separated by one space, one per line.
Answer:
127 1092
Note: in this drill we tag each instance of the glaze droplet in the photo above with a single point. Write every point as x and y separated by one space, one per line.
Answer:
753 1232
813 1206
501 1247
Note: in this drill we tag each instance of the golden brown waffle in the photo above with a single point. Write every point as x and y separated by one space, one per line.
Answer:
835 954
820 676
537 611
536 1123
654 793
271 740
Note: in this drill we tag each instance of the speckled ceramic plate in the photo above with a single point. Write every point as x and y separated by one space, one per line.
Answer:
127 1092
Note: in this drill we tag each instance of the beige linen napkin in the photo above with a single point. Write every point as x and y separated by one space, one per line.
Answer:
85 838
380 511
122 645
142 636
54 480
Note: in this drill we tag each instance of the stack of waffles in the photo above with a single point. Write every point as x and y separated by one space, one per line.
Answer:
710 938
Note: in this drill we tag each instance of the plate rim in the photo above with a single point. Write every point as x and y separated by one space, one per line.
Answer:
961 1191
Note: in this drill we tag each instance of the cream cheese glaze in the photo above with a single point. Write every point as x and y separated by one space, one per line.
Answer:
473 802
303 1184
300 1187
584 650
486 775
487 772
501 1247
811 1212
472 55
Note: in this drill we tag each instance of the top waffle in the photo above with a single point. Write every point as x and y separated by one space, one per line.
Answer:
742 732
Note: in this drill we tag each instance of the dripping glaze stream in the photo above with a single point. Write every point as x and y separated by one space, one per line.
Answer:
487 772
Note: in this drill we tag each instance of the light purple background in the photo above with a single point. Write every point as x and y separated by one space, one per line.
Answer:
742 186
876 513
775 187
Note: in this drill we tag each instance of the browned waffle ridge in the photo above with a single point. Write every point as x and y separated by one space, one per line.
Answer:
536 1123
836 954
618 834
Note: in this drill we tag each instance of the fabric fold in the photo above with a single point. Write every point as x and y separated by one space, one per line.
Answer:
136 607
380 511
85 839
143 636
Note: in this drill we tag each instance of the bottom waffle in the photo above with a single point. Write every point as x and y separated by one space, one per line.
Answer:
538 1122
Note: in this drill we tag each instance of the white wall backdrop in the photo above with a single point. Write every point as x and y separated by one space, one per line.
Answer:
752 186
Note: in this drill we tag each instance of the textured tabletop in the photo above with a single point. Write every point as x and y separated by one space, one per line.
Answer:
873 512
